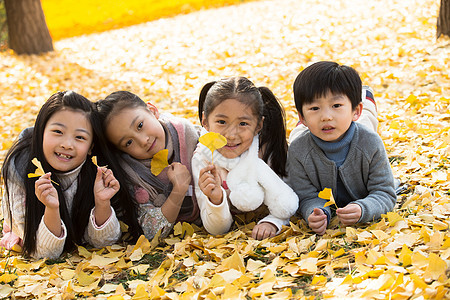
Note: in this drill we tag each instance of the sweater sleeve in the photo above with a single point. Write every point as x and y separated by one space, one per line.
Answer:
14 203
217 219
106 234
47 244
301 184
152 220
381 198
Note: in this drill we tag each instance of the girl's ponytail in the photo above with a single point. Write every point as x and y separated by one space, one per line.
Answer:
202 97
273 134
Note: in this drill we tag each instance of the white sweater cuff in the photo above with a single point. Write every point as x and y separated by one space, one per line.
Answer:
47 244
106 234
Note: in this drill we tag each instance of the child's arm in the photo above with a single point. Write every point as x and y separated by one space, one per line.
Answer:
380 185
103 228
307 191
105 187
216 219
51 234
47 194
180 178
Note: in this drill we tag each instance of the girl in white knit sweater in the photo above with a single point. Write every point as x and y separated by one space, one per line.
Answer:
70 203
252 121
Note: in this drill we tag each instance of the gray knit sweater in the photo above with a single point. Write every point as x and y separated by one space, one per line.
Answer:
366 174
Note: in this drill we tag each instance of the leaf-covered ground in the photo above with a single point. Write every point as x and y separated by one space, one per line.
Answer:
405 255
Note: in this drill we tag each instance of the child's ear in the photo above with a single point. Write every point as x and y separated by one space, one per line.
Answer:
153 109
301 119
260 125
205 122
90 149
357 111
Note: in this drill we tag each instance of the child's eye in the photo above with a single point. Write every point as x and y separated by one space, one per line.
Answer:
314 108
243 124
80 137
337 105
128 143
140 125
57 131
222 122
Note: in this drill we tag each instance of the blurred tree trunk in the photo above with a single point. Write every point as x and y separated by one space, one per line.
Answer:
443 21
27 29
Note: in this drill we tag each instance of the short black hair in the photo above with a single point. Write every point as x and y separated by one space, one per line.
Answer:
323 77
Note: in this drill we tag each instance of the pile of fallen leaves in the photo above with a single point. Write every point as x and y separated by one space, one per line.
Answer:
404 255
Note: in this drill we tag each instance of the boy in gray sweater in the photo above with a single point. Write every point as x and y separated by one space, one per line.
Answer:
336 152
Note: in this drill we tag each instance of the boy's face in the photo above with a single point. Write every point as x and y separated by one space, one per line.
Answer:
330 116
137 132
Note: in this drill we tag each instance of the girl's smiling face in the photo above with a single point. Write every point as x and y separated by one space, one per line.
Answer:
67 139
137 132
235 121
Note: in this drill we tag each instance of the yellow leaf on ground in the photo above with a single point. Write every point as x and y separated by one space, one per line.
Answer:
141 293
7 278
436 267
235 261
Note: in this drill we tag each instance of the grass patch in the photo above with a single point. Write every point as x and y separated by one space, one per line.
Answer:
67 18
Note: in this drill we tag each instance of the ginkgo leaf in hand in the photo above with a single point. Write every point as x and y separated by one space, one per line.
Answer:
213 141
159 162
94 161
327 195
39 170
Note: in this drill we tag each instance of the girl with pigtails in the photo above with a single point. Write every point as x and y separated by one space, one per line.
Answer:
245 174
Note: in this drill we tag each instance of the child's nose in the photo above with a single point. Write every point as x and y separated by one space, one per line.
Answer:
327 115
66 144
230 133
143 140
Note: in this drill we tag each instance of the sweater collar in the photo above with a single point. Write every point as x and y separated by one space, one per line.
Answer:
67 178
337 151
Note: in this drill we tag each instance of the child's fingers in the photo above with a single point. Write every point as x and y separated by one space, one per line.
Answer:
318 212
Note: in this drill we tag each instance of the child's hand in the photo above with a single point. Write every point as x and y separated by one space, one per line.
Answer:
180 178
209 182
264 230
46 192
105 186
349 214
317 220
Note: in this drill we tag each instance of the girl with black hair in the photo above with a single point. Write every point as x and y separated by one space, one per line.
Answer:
252 121
71 203
136 131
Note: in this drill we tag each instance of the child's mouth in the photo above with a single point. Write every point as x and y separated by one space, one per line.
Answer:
64 156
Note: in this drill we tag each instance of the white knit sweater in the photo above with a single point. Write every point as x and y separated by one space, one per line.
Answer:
47 244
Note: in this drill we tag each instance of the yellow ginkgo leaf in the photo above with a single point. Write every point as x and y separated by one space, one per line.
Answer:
213 141
327 195
159 162
39 170
94 160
